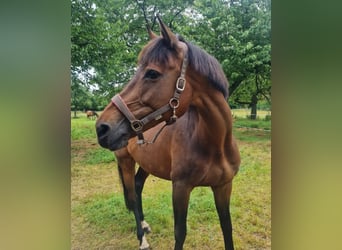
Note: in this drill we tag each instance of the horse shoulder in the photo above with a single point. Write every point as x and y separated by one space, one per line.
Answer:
154 158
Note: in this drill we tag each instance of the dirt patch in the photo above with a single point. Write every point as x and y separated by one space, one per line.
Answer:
79 149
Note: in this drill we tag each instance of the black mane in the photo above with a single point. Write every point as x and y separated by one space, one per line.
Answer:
208 66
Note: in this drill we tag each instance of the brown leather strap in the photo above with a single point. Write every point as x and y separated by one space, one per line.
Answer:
156 115
121 105
137 125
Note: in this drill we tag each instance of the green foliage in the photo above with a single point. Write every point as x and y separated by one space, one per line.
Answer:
107 35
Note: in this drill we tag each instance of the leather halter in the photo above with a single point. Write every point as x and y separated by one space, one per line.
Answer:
138 125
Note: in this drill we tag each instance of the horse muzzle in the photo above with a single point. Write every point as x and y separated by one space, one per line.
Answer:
113 137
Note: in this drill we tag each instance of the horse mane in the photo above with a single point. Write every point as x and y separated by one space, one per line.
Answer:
208 66
203 63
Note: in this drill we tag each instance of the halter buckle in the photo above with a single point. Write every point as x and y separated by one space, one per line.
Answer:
180 85
137 125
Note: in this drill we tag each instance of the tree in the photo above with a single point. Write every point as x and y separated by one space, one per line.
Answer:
78 96
96 43
254 83
107 36
237 33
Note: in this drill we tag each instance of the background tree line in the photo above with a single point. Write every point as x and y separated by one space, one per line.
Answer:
107 35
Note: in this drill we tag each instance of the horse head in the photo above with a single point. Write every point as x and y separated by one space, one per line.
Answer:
157 92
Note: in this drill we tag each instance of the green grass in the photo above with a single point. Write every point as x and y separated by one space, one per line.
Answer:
82 128
259 124
100 220
83 136
252 130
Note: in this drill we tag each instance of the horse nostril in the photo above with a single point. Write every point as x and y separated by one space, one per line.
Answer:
102 129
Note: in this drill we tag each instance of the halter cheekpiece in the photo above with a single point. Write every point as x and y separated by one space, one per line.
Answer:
138 125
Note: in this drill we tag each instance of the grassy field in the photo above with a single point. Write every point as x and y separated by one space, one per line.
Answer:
99 219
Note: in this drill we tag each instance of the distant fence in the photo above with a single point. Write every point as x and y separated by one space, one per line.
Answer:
246 113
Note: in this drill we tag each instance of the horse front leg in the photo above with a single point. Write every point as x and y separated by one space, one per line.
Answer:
180 200
127 175
140 178
143 244
222 199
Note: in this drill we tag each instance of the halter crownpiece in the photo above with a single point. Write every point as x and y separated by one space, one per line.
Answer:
138 125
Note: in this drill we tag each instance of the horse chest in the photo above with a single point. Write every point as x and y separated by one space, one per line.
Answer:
153 160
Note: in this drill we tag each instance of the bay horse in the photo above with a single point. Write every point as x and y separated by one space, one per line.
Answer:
91 114
181 85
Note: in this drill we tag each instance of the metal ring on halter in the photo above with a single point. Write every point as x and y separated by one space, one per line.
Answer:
172 101
137 125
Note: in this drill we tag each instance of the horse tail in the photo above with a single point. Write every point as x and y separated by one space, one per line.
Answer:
124 189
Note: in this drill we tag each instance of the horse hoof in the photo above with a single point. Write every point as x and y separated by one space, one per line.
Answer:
144 244
145 248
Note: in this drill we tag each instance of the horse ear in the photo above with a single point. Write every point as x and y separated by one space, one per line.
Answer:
167 34
151 34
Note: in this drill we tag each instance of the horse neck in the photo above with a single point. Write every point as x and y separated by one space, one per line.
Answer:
214 113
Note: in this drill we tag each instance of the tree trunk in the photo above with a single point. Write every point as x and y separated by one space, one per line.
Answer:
254 111
254 102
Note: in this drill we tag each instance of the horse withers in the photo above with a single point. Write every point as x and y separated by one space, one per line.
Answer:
173 119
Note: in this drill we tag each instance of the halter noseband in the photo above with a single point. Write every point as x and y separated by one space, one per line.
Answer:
138 125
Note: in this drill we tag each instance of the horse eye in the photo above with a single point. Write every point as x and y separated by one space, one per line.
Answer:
152 74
